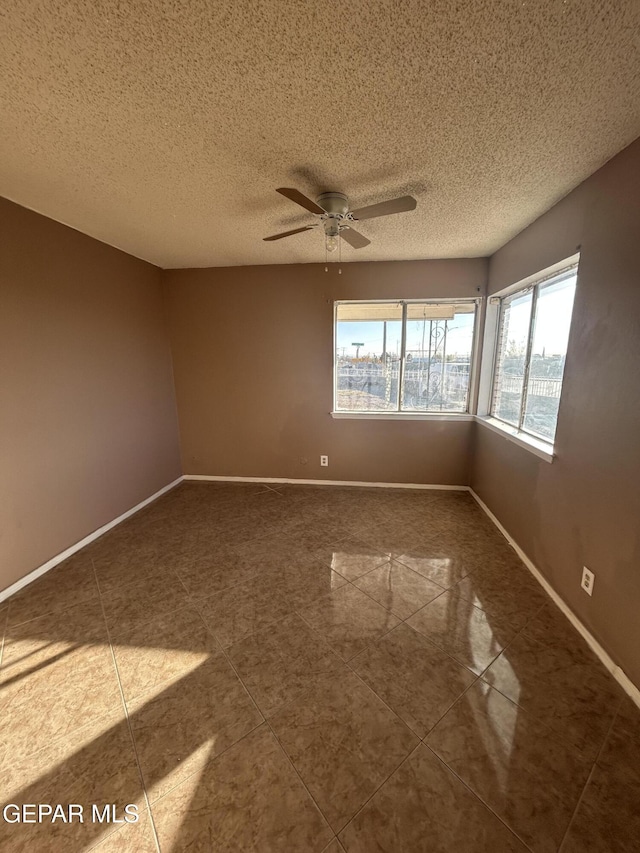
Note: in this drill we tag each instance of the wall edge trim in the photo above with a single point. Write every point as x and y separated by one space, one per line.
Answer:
616 671
293 481
82 543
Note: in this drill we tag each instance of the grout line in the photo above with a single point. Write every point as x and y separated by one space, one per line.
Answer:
478 798
455 702
591 772
368 800
126 713
211 758
277 739
337 840
442 590
377 695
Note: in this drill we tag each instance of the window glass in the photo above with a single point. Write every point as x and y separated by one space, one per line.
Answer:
368 353
512 350
439 343
533 334
426 346
548 353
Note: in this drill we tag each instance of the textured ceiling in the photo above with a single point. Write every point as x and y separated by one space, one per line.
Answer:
163 128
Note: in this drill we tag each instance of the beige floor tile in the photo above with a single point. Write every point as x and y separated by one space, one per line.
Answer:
303 583
472 636
437 565
348 620
392 538
350 557
514 764
343 741
230 566
422 808
607 819
561 685
275 551
503 592
249 798
444 559
398 588
137 603
334 847
415 678
50 703
161 650
621 751
237 612
130 838
93 765
181 727
67 584
118 564
32 645
550 627
279 663
319 534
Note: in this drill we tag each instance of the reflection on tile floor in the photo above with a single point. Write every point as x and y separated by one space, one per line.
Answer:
299 668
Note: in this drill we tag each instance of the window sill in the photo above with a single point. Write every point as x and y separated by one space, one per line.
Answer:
404 416
536 446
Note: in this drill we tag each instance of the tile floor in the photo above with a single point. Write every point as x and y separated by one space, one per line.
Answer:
310 669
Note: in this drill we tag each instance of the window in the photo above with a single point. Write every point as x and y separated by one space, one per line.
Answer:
411 357
533 332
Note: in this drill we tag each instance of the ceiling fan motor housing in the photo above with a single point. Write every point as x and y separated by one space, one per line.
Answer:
337 207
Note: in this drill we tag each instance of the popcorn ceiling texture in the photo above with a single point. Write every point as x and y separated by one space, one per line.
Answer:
164 128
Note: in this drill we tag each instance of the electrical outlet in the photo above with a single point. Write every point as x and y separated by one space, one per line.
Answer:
324 461
588 580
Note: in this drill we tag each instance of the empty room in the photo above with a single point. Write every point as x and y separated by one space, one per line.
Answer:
320 426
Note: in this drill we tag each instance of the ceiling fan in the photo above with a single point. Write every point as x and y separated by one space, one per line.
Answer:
335 217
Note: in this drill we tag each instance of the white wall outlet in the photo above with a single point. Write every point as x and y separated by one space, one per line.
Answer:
324 461
588 580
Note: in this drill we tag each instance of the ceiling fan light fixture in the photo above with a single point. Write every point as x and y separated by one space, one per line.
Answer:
331 242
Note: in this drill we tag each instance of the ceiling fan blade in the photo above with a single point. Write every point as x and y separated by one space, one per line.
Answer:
288 233
354 238
384 208
302 200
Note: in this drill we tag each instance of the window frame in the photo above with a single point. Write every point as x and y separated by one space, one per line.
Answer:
413 414
493 332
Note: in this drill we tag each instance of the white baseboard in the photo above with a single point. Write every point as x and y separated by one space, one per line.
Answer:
620 676
213 478
63 555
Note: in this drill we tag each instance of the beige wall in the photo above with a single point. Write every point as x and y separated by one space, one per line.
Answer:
584 508
252 350
87 411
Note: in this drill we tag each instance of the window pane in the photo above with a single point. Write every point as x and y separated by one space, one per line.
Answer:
439 344
512 351
368 342
550 336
